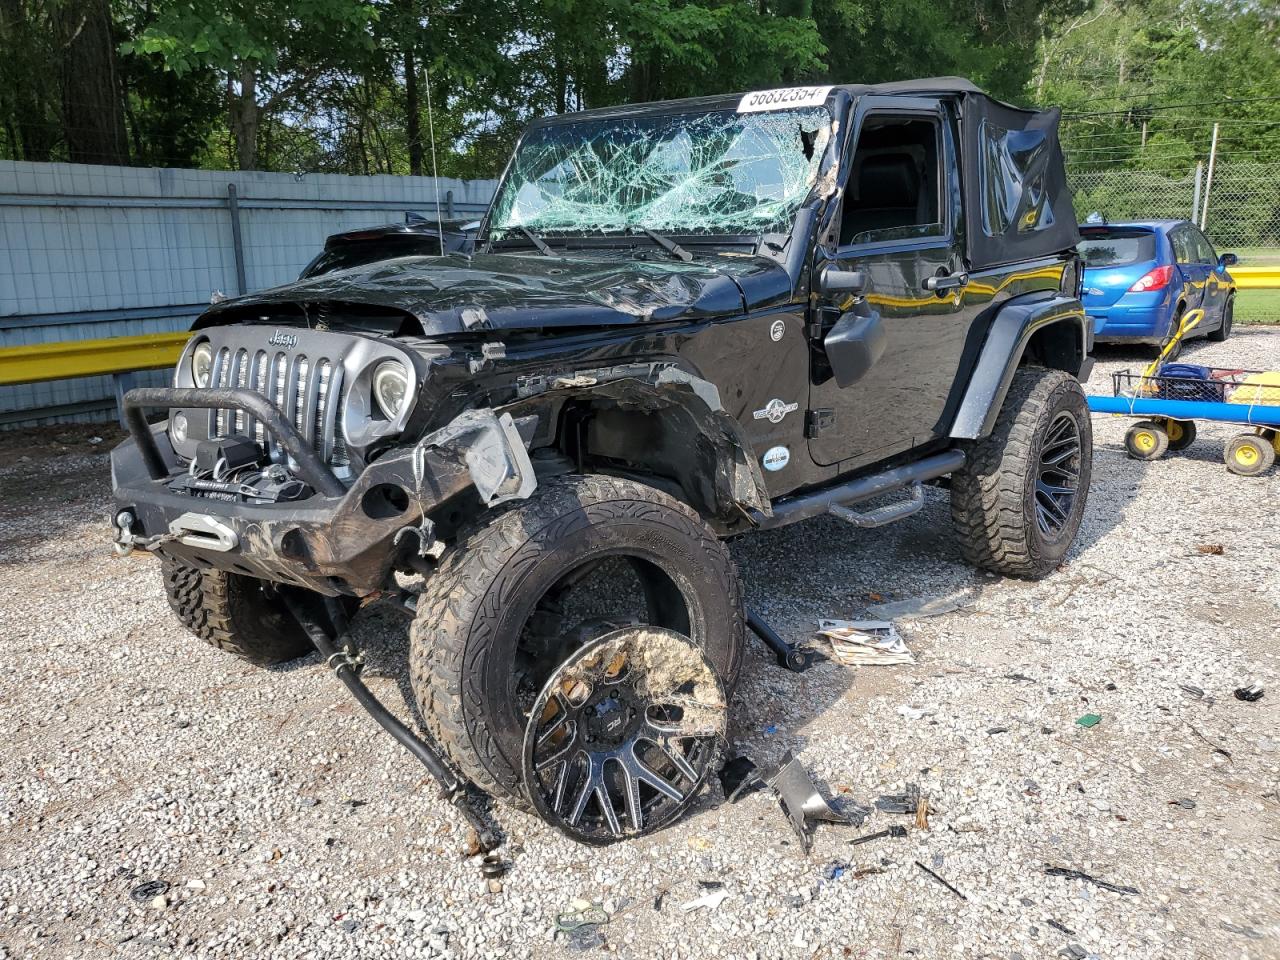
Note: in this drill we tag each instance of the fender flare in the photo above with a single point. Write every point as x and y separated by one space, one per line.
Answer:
1019 322
692 405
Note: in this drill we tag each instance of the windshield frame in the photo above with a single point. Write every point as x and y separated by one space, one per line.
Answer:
835 105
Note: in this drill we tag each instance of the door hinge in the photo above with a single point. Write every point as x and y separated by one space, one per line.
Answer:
815 421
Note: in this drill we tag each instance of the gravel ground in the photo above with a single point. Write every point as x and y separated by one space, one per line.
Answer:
286 826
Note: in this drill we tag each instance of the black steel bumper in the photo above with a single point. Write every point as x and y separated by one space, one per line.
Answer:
338 541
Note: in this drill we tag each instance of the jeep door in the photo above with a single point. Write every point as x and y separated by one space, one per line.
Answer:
899 229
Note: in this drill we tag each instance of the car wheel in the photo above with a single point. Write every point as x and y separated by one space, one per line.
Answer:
1249 455
238 614
1228 317
1181 433
514 599
1018 501
1146 440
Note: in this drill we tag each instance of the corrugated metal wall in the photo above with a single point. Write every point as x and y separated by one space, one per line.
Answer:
92 251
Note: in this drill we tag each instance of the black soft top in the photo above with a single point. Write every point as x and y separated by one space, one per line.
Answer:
1017 202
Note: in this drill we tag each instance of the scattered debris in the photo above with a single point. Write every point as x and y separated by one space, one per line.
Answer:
1192 691
1250 694
148 890
994 730
1031 787
1249 932
865 643
196 884
740 777
802 802
1060 927
1089 720
917 713
900 802
1071 874
1021 677
834 870
471 845
914 608
1073 951
940 880
1186 803
1212 549
710 900
493 866
922 813
581 914
894 831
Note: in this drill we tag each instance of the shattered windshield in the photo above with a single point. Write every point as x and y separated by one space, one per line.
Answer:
697 173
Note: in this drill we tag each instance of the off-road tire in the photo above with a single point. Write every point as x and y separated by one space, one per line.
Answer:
993 495
473 608
233 613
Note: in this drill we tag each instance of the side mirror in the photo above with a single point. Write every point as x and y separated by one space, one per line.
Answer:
1228 260
833 282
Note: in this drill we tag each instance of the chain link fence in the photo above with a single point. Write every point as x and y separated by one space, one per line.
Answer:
1243 205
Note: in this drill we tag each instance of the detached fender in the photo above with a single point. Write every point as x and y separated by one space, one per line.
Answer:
1044 327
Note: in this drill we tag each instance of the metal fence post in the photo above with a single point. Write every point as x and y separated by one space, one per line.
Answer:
448 203
1208 180
1195 196
237 239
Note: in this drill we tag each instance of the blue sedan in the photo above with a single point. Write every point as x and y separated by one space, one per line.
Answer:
1140 278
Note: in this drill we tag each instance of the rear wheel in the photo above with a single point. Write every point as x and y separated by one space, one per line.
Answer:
1182 433
519 594
1249 455
1146 440
240 615
1228 317
1176 352
1018 501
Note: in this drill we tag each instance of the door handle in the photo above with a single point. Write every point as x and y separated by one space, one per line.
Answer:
951 281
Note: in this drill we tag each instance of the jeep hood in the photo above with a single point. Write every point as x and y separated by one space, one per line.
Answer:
460 294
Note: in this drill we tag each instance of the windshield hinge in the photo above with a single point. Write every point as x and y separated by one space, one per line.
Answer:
818 420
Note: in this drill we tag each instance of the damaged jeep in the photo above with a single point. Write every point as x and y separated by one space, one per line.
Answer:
681 322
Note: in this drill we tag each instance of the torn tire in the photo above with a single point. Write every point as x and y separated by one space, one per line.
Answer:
1018 501
475 607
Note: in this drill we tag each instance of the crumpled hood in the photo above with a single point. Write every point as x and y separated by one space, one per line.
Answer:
455 293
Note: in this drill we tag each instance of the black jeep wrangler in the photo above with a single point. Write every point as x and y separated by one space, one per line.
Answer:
682 322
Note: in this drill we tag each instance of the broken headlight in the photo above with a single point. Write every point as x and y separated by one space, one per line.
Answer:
390 387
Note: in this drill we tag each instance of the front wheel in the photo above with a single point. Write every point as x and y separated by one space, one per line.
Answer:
527 587
1146 440
1018 501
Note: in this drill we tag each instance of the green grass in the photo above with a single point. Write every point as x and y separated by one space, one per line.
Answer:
1255 256
1258 306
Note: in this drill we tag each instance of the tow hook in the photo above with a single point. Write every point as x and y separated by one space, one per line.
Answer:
125 542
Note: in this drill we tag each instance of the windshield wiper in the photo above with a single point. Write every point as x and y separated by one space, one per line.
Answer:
667 244
537 241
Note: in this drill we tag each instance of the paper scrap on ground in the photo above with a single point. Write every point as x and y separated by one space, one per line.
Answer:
917 607
857 643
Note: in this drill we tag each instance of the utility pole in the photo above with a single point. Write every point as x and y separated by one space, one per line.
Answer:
1195 197
1208 182
1144 135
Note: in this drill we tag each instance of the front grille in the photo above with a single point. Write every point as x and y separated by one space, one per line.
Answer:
307 390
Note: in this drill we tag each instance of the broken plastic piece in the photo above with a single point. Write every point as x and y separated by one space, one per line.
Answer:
710 900
900 802
801 800
1250 694
940 880
894 831
1089 720
739 778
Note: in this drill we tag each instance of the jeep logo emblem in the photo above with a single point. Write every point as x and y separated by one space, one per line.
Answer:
775 410
282 339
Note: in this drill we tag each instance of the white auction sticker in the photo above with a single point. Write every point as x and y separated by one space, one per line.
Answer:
783 98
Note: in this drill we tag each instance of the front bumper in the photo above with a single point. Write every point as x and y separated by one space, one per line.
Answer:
337 541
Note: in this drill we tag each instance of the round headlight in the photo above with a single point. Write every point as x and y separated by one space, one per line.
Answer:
390 387
202 363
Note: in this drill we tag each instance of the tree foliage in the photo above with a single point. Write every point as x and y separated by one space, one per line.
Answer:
344 85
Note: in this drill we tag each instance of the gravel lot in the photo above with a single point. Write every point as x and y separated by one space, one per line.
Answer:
286 826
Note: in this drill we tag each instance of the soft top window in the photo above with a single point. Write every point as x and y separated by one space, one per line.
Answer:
1116 246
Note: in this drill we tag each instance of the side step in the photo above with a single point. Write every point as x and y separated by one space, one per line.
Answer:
882 515
838 497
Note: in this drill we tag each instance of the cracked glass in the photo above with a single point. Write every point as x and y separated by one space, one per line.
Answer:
701 173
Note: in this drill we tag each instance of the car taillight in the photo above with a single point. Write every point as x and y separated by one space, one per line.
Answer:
1154 280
